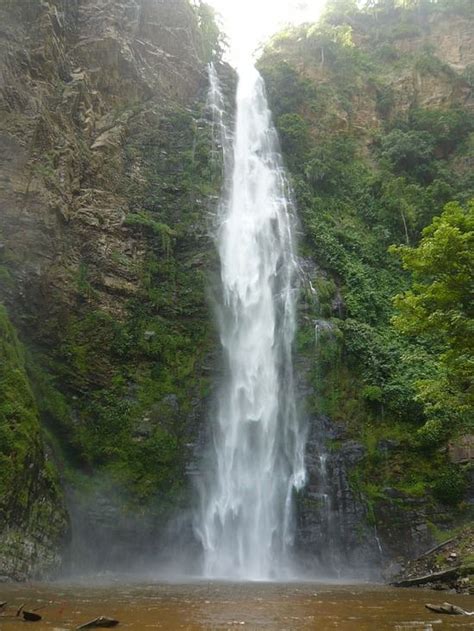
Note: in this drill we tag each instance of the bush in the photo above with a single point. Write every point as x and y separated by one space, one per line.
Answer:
431 434
294 132
448 128
373 394
407 150
450 487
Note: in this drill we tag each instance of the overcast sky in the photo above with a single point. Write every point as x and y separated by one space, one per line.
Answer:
250 22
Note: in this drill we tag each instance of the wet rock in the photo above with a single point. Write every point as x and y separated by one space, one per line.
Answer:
31 616
332 529
393 493
172 401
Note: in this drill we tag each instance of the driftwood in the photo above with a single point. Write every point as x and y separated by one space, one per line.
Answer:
448 608
101 622
451 573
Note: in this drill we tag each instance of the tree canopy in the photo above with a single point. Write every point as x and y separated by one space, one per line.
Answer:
439 309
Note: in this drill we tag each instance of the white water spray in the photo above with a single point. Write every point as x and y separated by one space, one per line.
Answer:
246 522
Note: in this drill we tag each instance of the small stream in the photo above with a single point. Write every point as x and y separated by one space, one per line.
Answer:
207 606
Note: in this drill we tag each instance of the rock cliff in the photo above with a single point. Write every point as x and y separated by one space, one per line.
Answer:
106 182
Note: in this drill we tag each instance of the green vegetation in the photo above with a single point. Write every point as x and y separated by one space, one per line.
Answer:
157 228
371 167
18 419
30 496
212 38
450 486
438 308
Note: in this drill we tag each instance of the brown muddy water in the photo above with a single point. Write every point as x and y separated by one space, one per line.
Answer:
203 606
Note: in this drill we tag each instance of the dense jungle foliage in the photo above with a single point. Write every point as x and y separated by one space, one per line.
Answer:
384 186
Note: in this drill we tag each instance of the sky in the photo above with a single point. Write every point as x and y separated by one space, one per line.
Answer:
247 23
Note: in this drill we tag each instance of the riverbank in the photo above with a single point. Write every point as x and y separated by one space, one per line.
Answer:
446 566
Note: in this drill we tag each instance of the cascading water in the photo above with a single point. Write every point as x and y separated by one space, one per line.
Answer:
246 521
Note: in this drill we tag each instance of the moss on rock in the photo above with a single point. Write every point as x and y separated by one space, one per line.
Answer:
32 514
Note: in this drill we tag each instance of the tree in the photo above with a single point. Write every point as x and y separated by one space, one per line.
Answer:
341 8
408 151
213 40
439 309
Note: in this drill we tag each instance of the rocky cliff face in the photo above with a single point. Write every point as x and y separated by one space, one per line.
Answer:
75 79
106 177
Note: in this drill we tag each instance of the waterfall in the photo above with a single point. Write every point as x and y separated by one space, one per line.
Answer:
246 521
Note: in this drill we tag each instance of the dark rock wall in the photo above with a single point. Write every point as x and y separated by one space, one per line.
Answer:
105 203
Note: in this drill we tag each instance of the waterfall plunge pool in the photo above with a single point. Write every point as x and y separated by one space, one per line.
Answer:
209 606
